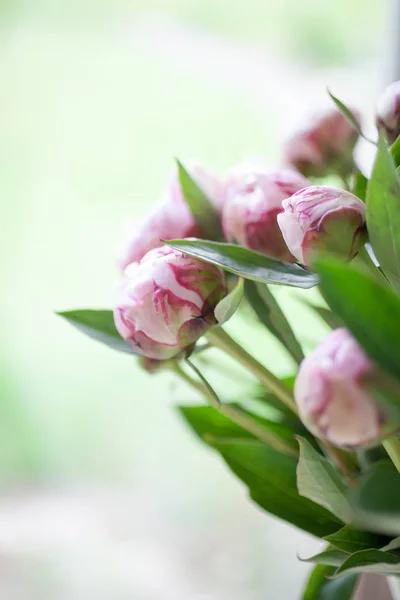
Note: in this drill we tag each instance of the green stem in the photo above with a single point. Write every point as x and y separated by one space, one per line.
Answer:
363 460
234 413
219 338
392 447
220 367
346 184
345 461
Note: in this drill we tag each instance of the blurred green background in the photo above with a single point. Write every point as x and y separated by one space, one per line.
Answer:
105 493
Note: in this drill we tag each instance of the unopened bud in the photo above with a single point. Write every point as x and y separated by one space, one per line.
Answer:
322 219
388 112
167 301
253 201
334 392
324 145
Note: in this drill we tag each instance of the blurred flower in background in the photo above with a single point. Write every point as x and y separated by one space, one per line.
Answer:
103 494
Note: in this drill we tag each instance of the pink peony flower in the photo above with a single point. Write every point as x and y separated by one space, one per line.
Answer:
171 217
323 145
388 112
323 219
253 199
333 396
166 302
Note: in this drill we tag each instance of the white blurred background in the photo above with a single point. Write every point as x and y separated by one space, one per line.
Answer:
105 494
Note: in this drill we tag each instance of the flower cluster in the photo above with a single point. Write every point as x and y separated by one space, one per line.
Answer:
183 271
167 299
276 212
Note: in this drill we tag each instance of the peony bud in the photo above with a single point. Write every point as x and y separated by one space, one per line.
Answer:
323 219
167 301
324 145
252 202
334 392
388 112
171 217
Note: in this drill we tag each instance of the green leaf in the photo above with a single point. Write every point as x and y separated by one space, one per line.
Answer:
383 214
349 539
376 501
269 475
330 557
99 325
226 308
318 480
201 207
212 426
360 185
395 152
346 112
246 263
370 311
392 545
208 422
370 561
319 587
270 314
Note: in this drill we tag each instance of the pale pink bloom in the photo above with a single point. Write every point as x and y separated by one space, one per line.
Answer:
323 219
323 145
253 199
388 111
166 302
332 396
171 217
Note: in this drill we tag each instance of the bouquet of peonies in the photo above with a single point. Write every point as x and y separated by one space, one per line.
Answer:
320 449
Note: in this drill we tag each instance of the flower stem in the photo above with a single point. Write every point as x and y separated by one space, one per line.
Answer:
346 183
220 339
220 367
392 447
345 461
234 413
